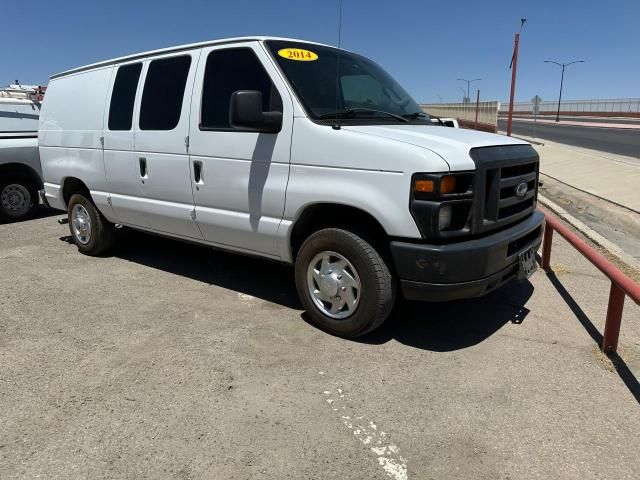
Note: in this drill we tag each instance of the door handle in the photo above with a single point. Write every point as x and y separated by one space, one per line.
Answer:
197 172
143 168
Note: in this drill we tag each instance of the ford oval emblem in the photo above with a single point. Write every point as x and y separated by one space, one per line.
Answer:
521 189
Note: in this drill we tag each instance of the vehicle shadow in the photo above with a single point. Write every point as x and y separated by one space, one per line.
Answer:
260 278
40 211
449 326
438 327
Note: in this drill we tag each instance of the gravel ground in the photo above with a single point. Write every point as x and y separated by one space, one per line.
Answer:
167 360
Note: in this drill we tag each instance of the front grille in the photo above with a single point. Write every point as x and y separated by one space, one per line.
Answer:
501 174
516 208
507 179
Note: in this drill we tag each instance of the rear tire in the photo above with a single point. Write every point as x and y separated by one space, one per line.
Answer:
92 233
343 283
17 199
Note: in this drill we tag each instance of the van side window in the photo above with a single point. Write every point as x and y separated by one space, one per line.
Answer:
123 97
163 93
227 71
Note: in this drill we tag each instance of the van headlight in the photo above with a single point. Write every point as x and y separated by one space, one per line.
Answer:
440 186
441 203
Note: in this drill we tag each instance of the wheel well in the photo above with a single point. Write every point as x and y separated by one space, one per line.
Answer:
72 186
325 215
20 171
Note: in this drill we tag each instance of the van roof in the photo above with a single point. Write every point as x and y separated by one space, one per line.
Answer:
178 48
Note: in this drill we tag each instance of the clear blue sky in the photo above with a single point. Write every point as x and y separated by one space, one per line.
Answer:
425 44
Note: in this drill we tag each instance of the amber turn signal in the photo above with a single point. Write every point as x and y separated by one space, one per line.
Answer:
425 186
448 184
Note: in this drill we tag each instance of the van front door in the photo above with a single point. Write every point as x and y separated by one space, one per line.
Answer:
161 144
240 176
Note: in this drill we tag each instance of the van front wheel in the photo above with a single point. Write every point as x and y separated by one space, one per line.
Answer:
91 232
343 283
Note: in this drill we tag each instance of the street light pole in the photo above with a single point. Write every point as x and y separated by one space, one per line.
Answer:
560 95
462 90
469 82
563 66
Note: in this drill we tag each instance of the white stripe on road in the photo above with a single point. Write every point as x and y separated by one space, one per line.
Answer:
367 432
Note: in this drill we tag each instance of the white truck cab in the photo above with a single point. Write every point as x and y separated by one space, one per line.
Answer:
297 152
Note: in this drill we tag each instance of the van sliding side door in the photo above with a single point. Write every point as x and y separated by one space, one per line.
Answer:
124 185
161 144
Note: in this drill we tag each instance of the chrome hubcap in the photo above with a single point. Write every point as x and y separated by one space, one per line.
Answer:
15 199
334 285
81 224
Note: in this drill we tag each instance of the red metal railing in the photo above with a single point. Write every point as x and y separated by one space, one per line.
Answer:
621 284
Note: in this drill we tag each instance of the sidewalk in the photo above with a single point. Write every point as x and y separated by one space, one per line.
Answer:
611 177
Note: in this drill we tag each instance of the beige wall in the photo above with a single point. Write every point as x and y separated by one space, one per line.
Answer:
487 111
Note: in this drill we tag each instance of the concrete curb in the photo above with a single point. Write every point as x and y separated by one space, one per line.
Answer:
591 234
526 139
530 140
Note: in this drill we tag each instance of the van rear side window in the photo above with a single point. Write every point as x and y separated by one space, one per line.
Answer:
163 93
123 97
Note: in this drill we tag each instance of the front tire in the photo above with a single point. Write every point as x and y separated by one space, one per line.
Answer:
91 232
17 199
343 283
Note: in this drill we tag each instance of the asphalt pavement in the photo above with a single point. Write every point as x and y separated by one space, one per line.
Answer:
166 360
612 140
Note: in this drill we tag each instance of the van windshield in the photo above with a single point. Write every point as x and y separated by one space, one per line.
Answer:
365 92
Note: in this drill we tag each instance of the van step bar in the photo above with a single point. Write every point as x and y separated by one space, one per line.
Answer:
63 221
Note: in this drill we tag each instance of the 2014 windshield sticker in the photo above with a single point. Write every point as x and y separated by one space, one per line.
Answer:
298 54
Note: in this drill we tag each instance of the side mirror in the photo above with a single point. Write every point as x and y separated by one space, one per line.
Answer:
245 112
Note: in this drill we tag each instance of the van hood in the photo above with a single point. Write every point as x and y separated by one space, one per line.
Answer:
452 144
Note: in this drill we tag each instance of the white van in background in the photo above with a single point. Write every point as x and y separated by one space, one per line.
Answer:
264 147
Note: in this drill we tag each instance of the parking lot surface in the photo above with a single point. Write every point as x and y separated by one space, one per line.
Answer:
167 360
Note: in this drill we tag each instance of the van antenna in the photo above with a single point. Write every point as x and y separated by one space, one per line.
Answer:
336 126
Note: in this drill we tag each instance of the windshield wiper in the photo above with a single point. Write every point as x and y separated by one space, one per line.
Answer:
348 112
415 115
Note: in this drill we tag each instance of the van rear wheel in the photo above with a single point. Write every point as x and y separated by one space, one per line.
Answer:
91 232
344 284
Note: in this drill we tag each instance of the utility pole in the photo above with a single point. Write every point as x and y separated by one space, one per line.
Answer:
563 66
514 66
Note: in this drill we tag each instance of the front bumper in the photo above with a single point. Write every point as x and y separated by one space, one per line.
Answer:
465 269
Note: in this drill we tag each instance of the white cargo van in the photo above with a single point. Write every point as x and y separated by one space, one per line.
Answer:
297 152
